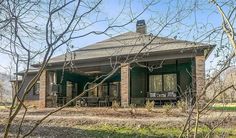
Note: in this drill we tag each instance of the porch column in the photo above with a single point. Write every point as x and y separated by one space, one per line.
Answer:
200 75
125 84
43 89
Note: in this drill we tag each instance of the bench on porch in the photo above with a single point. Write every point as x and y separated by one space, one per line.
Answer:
162 97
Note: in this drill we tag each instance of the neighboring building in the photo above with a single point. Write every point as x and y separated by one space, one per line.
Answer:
5 88
166 70
32 98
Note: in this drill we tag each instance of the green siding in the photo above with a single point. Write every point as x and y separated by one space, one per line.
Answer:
72 77
184 71
81 80
138 85
139 79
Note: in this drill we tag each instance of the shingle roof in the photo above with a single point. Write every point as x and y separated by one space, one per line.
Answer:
30 70
128 43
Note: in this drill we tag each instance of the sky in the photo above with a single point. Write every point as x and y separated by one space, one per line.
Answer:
203 15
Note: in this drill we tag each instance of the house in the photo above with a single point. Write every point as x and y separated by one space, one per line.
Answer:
166 70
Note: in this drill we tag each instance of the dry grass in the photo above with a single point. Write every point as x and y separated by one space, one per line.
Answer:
92 122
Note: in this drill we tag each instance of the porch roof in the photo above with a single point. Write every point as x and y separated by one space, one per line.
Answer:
130 43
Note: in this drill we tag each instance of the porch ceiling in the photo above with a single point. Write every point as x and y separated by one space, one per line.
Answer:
97 70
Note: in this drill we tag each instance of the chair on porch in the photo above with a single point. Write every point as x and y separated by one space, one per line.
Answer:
81 102
92 101
104 101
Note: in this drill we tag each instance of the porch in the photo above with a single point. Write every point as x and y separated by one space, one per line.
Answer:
160 81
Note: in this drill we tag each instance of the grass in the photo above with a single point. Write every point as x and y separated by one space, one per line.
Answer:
224 107
2 107
115 131
128 131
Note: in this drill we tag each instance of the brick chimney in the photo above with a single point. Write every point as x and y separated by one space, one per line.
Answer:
141 27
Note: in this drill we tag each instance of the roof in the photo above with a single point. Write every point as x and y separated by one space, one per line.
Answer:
30 71
129 43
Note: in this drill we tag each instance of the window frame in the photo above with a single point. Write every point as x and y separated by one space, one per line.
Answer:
163 83
36 88
117 85
92 92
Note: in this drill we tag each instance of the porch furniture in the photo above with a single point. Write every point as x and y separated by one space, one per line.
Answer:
87 101
61 101
104 102
81 102
51 101
92 101
161 97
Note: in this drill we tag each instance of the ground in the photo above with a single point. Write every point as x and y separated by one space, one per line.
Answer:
107 122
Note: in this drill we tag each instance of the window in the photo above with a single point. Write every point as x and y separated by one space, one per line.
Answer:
114 89
36 89
103 90
93 92
155 83
166 82
170 82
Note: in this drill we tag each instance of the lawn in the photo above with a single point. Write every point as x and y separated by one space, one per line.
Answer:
107 122
224 107
2 107
115 131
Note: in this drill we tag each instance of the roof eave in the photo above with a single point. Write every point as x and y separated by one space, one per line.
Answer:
211 48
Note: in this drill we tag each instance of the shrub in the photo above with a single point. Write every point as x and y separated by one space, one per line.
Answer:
167 108
115 105
132 106
132 109
182 105
149 105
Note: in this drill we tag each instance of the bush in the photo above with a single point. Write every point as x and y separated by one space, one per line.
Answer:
132 106
167 108
149 105
182 105
115 105
132 109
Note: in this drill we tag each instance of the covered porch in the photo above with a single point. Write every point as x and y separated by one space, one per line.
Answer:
64 85
162 81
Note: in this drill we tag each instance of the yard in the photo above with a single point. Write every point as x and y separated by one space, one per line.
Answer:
107 122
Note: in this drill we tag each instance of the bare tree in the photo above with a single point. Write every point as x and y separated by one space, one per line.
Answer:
1 92
56 24
64 22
